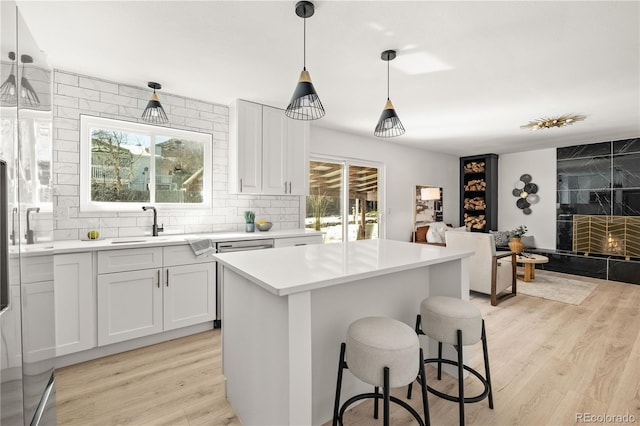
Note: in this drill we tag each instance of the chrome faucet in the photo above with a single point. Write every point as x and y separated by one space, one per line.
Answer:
155 228
29 234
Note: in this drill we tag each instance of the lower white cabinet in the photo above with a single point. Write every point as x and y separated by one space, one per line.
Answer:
129 305
189 295
142 302
297 241
75 303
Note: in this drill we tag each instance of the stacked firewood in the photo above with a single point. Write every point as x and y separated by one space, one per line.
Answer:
474 167
475 185
476 203
475 222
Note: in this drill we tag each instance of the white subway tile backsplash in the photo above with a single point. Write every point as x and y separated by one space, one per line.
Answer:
64 167
199 124
118 99
76 94
65 190
66 123
97 106
101 85
66 78
68 157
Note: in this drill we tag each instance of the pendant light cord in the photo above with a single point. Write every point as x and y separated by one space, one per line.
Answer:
304 44
388 80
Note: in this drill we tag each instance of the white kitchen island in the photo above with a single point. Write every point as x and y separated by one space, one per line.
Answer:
286 311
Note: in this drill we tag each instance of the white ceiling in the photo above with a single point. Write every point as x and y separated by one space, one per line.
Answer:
508 62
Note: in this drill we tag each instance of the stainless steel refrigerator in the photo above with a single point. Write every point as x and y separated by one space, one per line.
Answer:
27 320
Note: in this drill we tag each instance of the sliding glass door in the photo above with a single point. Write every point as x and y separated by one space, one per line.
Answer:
345 199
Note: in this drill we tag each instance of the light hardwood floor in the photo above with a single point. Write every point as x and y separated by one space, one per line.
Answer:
549 361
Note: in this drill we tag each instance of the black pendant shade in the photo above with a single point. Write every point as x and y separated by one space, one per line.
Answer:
154 113
389 124
8 89
305 103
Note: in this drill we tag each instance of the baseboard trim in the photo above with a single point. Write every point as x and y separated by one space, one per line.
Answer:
115 348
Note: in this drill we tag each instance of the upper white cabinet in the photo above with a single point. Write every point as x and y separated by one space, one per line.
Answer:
268 152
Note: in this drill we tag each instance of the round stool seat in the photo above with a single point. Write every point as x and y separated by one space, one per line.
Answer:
374 343
442 317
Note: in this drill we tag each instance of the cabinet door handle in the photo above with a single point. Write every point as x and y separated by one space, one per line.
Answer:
240 184
289 187
158 278
285 187
167 278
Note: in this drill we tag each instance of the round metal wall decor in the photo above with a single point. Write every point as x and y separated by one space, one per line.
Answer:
526 191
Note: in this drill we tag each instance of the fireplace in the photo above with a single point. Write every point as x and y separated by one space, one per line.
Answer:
607 235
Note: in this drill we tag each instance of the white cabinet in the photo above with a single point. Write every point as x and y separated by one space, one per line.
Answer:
172 293
245 148
189 295
129 305
268 152
75 303
297 241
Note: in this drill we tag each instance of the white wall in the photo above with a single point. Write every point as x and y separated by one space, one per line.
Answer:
403 169
541 223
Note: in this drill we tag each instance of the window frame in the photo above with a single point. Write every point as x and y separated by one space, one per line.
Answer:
87 122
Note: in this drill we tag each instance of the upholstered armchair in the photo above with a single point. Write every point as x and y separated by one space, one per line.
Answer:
490 272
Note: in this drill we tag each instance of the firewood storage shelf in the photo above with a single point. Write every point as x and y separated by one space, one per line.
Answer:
479 192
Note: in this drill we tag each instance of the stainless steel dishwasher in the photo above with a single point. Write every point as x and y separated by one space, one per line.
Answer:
229 247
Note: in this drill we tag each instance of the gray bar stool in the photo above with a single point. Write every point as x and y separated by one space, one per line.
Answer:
458 323
382 352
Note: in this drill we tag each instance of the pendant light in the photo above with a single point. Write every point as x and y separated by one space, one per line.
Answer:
26 90
389 124
305 103
8 88
154 113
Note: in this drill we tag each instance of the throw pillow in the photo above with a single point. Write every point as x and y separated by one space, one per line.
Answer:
501 237
434 235
528 241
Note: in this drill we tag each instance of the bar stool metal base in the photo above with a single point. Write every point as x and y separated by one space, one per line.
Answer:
460 399
338 411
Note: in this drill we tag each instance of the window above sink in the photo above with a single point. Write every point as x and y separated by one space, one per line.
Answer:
125 165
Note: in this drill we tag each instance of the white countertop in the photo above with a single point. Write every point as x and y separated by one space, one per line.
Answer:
74 246
289 270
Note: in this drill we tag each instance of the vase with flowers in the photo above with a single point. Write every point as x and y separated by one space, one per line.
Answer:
515 244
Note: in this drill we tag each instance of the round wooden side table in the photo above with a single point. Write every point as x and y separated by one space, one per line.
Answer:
529 261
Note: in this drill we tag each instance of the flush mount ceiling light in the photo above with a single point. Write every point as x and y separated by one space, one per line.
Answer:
154 113
26 90
389 124
305 103
8 88
547 123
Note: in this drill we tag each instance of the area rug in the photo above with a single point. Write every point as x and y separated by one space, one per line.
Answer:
560 289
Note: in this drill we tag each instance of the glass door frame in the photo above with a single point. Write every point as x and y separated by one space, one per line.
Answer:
344 199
